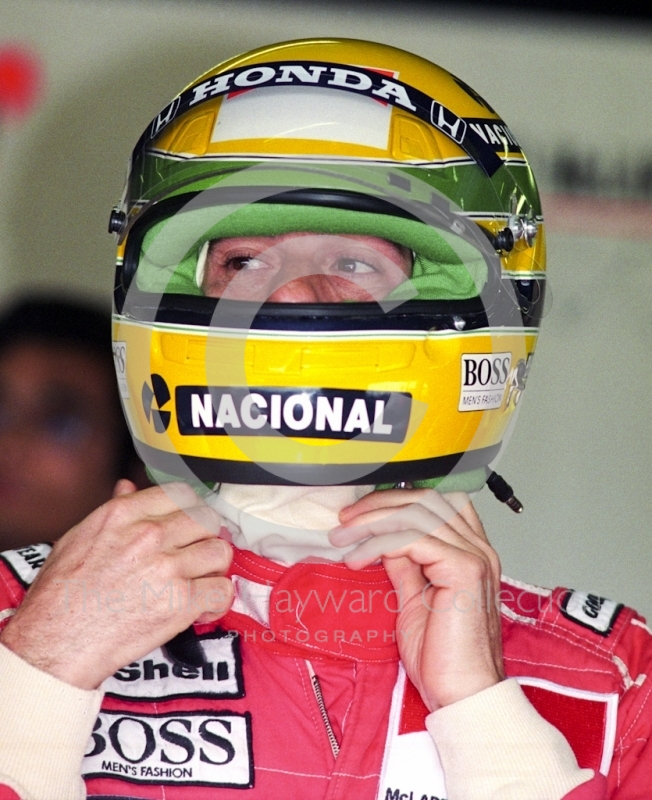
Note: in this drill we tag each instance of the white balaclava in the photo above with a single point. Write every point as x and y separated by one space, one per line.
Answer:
285 523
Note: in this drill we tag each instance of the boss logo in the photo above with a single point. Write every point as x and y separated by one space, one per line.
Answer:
120 361
191 748
311 413
156 676
484 378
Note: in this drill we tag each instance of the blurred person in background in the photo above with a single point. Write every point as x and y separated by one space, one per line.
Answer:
63 439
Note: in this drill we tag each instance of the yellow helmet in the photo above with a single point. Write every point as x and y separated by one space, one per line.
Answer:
331 137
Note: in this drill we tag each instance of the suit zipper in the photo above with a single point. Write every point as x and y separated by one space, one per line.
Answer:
314 680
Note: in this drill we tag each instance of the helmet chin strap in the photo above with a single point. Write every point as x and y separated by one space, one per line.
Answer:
285 523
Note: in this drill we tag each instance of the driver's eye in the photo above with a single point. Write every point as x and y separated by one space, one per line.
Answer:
238 264
353 265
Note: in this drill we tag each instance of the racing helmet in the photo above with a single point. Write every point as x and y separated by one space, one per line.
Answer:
332 138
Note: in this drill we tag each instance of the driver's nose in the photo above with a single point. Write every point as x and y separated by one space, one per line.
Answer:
308 289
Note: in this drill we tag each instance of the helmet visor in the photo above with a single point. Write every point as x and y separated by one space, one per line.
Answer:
245 242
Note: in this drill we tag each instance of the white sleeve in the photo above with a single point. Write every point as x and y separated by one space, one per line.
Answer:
45 725
495 745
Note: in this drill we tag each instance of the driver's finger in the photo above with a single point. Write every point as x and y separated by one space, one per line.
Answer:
156 501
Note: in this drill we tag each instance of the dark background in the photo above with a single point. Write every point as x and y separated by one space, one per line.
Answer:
564 11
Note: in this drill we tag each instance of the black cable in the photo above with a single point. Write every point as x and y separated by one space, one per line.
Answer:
503 492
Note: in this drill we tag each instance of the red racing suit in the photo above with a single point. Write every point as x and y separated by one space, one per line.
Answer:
298 692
